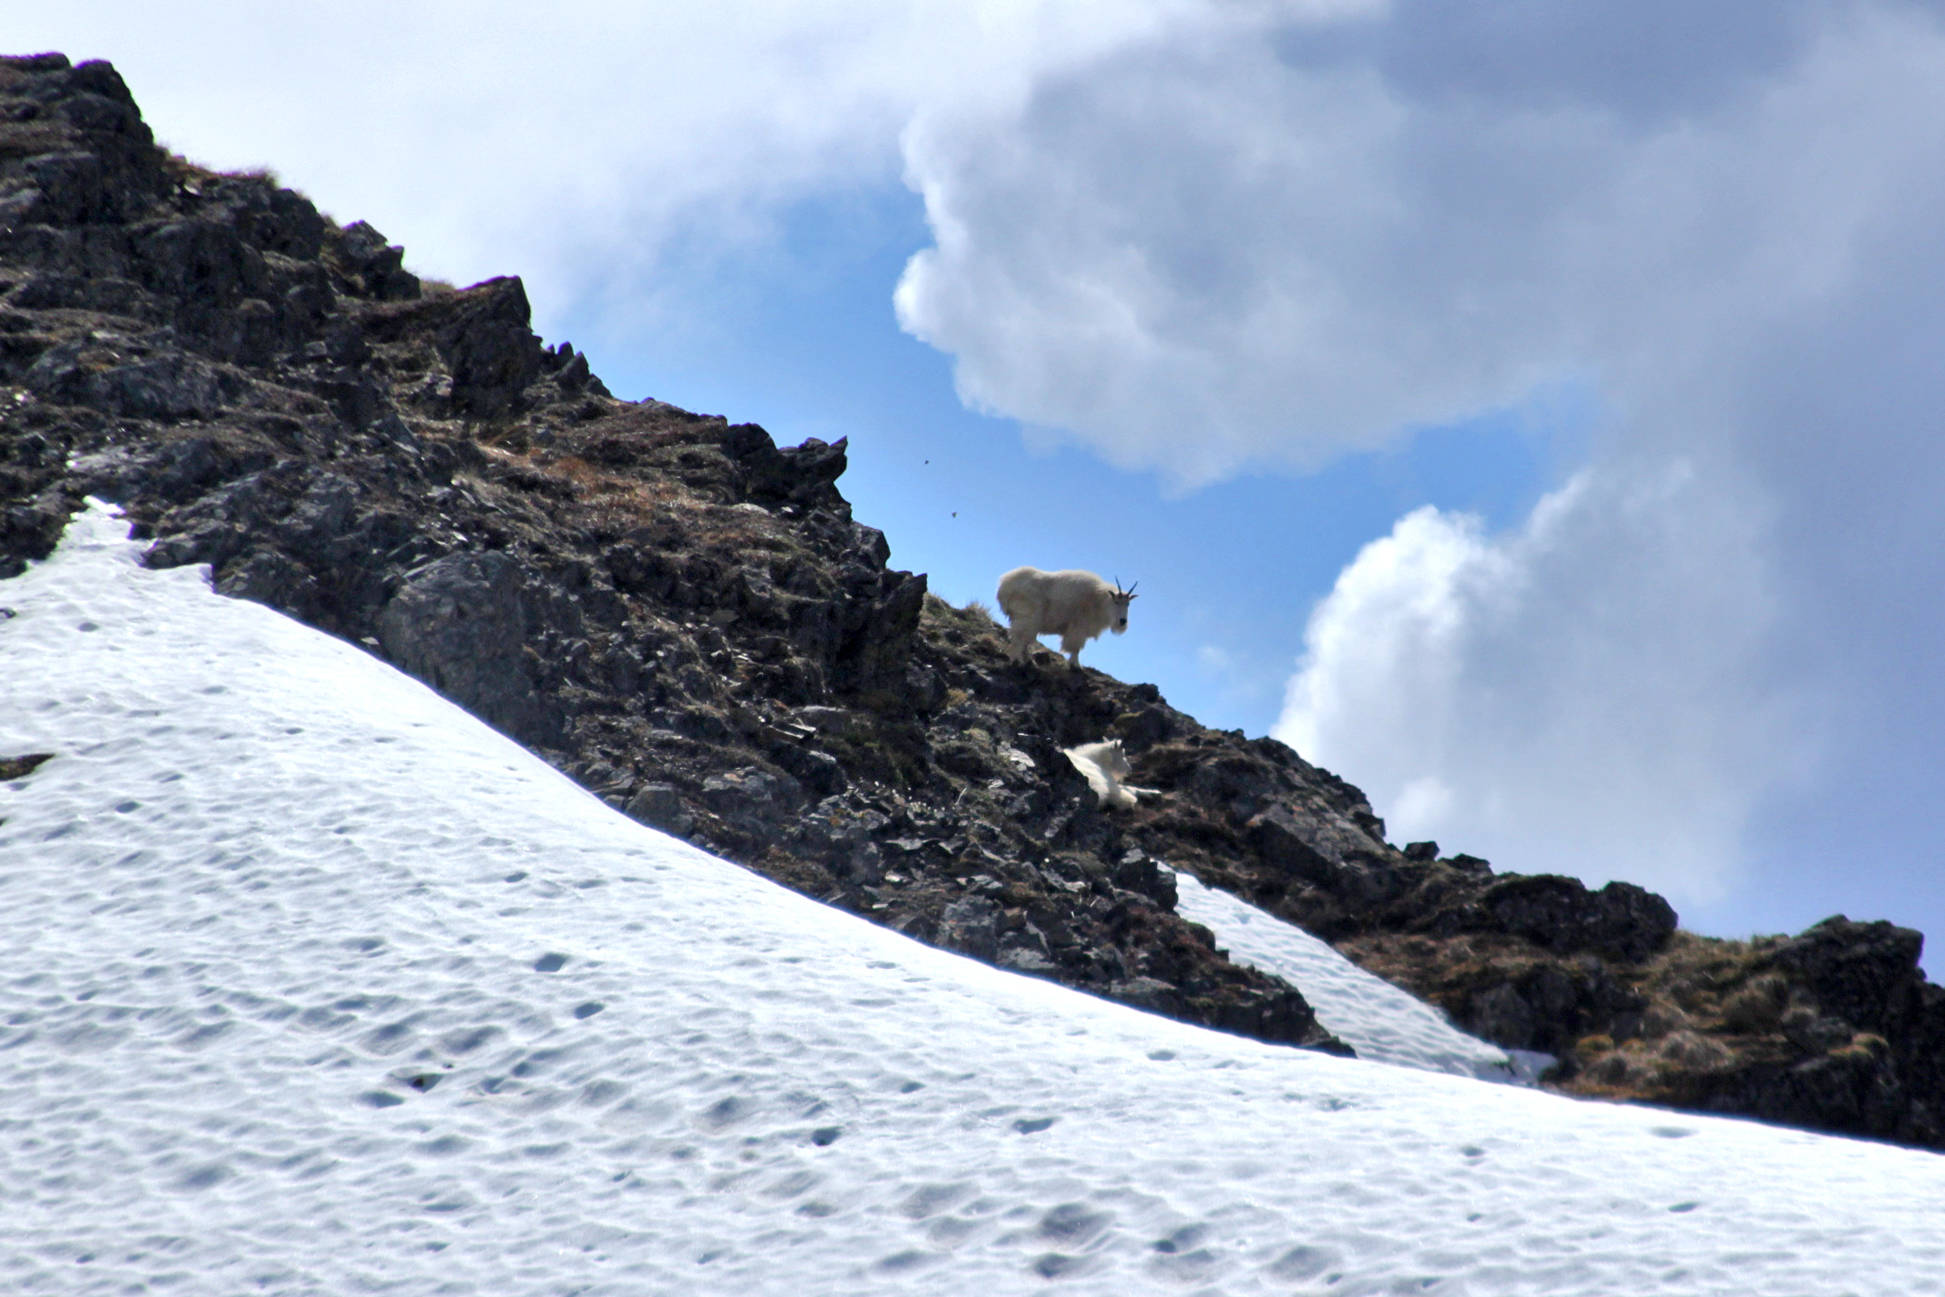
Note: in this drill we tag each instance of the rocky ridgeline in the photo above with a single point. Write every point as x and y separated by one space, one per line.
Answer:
687 619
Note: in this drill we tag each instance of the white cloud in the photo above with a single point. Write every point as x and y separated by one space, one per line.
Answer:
1278 246
1252 247
1586 695
580 145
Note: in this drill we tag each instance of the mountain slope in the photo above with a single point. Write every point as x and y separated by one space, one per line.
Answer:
320 985
687 620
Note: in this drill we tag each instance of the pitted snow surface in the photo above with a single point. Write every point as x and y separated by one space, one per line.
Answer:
313 984
1384 1023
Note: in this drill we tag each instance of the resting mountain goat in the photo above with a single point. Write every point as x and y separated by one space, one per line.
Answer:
1104 765
1077 606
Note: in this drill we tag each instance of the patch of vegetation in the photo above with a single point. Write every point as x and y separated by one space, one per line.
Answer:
1713 1004
957 627
1715 985
193 175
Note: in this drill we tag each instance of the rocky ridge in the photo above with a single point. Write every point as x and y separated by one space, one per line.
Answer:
687 619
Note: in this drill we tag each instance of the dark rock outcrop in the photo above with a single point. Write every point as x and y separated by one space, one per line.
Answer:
686 618
459 624
21 766
672 608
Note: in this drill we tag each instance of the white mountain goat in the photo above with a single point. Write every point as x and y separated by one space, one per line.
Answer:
1075 605
1104 765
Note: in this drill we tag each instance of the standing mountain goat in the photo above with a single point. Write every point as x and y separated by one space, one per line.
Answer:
1077 606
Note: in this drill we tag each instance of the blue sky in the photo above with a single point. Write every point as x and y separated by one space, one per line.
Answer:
810 347
1528 411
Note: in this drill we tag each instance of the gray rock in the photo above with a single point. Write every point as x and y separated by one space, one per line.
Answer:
1502 1015
459 625
1561 914
971 925
1866 973
1029 960
274 580
378 265
661 806
493 354
752 800
829 720
1144 992
1813 1032
1284 843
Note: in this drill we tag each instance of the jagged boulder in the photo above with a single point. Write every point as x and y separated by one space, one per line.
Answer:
30 531
804 475
491 351
1621 920
1866 973
459 624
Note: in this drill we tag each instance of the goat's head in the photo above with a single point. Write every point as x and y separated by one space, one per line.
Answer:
1122 598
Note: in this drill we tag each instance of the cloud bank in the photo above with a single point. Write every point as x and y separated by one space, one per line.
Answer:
1587 694
587 146
1274 246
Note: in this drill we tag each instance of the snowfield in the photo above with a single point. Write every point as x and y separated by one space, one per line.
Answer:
315 984
1383 1023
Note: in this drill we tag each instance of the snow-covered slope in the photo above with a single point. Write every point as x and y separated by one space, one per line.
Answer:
313 984
1384 1023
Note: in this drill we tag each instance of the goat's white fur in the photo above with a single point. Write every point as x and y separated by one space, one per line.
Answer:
1075 605
1104 765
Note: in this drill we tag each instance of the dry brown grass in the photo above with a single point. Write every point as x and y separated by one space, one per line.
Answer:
1711 1002
1693 1051
193 175
1714 984
1616 1073
960 625
1758 1005
614 503
1864 1046
1661 1018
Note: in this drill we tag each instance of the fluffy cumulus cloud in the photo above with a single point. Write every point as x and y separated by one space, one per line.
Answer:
1273 245
1589 693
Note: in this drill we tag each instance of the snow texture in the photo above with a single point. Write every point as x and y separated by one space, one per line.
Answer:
1383 1023
315 984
